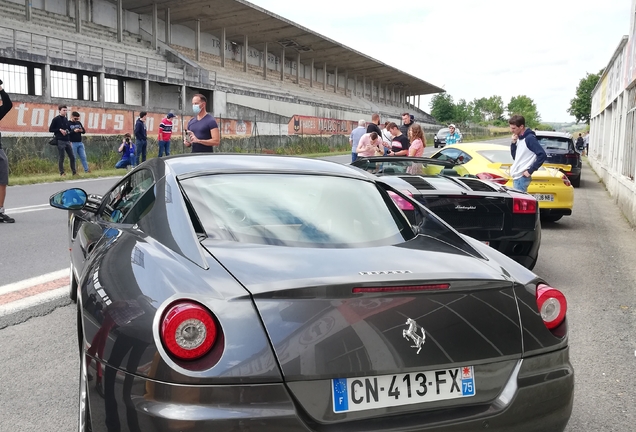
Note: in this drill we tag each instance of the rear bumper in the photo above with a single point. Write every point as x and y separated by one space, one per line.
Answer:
538 397
555 211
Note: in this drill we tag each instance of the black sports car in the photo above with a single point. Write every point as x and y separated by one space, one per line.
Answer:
503 218
560 149
248 292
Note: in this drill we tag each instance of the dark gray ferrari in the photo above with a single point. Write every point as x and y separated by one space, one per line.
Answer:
256 293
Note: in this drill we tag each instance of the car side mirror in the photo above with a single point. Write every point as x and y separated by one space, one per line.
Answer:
70 199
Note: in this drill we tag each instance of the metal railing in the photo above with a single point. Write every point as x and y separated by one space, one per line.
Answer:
18 43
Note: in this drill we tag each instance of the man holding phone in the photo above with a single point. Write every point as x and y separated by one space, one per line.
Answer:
203 131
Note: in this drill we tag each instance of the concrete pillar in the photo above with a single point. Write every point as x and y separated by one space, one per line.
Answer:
89 11
78 16
46 83
223 47
282 64
418 102
100 87
246 48
324 76
197 40
155 26
298 66
147 94
364 87
372 95
335 81
393 95
265 55
167 19
355 85
27 9
182 95
311 75
347 82
120 21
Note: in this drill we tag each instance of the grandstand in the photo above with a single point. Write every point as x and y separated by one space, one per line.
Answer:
131 55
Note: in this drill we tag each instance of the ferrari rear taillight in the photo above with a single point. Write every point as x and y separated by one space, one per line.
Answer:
493 178
401 202
524 205
552 305
188 330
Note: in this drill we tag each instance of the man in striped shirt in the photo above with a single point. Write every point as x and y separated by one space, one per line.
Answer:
165 132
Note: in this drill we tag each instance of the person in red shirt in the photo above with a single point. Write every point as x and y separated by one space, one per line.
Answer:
165 133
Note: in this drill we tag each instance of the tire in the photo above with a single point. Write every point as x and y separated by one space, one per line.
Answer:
551 218
73 285
576 182
84 413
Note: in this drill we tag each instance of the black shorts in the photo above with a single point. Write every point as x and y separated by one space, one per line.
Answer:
4 168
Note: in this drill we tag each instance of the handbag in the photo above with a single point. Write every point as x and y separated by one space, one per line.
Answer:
53 141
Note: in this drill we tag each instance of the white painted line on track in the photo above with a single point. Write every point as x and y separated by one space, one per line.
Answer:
29 209
28 302
28 283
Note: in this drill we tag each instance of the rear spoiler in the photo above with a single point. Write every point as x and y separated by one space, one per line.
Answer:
506 166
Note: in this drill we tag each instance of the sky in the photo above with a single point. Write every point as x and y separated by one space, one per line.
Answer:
474 49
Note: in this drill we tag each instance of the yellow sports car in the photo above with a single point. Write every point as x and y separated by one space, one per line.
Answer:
549 185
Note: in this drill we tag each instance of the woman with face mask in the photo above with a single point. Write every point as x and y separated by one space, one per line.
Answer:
203 131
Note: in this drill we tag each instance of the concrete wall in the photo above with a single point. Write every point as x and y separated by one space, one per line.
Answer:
612 152
133 93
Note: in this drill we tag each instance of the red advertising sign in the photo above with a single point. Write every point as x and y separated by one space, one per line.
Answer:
305 125
27 118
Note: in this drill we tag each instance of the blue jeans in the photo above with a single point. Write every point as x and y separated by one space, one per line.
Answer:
521 184
354 156
79 150
123 163
164 146
141 150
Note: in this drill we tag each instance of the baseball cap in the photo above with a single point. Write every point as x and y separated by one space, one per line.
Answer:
170 115
452 126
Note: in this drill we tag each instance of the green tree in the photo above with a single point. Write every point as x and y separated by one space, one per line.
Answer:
479 109
463 112
525 106
581 104
443 108
494 108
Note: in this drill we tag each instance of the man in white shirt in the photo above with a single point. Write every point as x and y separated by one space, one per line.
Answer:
526 151
355 136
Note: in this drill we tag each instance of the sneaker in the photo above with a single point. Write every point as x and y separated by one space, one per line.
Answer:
62 174
6 219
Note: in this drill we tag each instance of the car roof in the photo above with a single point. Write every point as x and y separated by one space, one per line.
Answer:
211 162
553 134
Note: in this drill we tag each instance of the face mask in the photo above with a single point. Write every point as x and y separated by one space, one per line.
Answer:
196 109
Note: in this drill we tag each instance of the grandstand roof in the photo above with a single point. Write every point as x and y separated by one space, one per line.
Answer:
240 18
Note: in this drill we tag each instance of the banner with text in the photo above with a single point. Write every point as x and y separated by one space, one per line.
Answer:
305 125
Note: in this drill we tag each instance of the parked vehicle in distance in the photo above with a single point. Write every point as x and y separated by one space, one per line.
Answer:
561 150
505 219
550 186
235 292
440 137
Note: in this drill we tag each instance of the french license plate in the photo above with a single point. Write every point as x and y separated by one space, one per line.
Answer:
543 197
358 394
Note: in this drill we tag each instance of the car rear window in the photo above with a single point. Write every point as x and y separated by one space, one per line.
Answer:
554 143
296 210
443 132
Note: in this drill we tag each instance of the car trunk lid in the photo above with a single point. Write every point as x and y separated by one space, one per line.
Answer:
321 330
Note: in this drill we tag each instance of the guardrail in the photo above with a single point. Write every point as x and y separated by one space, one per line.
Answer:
21 43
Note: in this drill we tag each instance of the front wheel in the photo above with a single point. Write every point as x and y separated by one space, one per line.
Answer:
84 414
